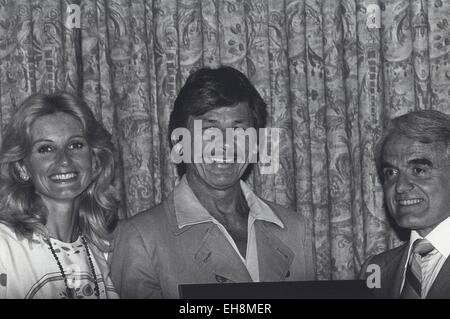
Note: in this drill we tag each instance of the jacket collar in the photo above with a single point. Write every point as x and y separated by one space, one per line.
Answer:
189 211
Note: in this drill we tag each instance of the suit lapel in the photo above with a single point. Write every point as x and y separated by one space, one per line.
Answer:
274 256
218 256
392 266
215 253
441 285
397 280
210 249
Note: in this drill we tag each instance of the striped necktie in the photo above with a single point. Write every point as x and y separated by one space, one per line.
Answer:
413 277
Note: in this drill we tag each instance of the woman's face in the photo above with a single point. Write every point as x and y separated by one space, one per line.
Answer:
220 174
60 161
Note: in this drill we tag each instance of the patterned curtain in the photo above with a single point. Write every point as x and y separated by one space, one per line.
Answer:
330 82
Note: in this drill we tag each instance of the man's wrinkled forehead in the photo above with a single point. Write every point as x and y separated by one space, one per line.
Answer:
401 148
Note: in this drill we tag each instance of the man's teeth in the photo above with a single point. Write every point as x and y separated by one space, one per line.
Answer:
60 177
409 202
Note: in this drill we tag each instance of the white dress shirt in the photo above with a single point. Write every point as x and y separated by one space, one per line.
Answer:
432 262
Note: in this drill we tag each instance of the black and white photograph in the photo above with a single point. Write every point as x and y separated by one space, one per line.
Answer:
245 150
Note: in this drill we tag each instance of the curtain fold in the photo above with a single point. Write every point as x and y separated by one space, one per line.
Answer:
330 82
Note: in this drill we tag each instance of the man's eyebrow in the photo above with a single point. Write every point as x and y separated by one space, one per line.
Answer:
386 164
213 121
204 119
420 161
242 121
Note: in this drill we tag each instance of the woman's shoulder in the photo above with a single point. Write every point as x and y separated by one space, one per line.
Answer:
10 243
9 238
7 233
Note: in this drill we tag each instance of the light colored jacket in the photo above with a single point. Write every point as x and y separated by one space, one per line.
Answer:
152 255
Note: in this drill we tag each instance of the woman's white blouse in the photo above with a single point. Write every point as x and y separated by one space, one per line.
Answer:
29 270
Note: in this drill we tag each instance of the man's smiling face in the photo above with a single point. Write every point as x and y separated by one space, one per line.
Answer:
416 182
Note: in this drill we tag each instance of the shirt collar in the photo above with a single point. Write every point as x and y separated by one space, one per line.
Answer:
438 237
189 211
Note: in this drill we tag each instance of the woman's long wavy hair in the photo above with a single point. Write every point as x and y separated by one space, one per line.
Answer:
23 209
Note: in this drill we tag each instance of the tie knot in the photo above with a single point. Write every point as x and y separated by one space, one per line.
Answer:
422 247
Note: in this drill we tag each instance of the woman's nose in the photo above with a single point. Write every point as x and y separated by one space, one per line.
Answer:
63 158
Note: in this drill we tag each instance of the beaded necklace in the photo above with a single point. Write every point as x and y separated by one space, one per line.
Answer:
70 291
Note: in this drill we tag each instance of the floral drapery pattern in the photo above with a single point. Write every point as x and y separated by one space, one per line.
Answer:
330 82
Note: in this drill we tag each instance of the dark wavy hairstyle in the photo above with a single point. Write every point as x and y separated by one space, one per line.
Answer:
23 210
426 126
207 89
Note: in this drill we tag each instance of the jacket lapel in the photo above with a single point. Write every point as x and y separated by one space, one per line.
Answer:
392 265
210 248
398 271
215 253
218 256
274 256
441 285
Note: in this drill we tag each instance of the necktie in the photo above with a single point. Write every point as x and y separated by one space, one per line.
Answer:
413 277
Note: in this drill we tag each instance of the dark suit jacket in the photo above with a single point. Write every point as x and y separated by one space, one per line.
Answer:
392 263
152 255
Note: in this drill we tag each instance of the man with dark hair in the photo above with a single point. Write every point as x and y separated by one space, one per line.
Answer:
212 228
413 163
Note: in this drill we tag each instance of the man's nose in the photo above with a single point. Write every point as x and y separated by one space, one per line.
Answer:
403 184
224 147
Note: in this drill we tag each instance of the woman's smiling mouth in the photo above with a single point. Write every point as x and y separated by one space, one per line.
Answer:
63 177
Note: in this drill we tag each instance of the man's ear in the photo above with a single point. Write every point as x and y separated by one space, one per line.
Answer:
23 172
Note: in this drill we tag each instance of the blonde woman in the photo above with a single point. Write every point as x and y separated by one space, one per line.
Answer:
56 166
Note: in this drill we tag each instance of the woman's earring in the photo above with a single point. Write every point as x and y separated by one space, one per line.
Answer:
23 173
95 165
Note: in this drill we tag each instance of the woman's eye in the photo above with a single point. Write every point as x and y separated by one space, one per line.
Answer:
76 146
45 149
